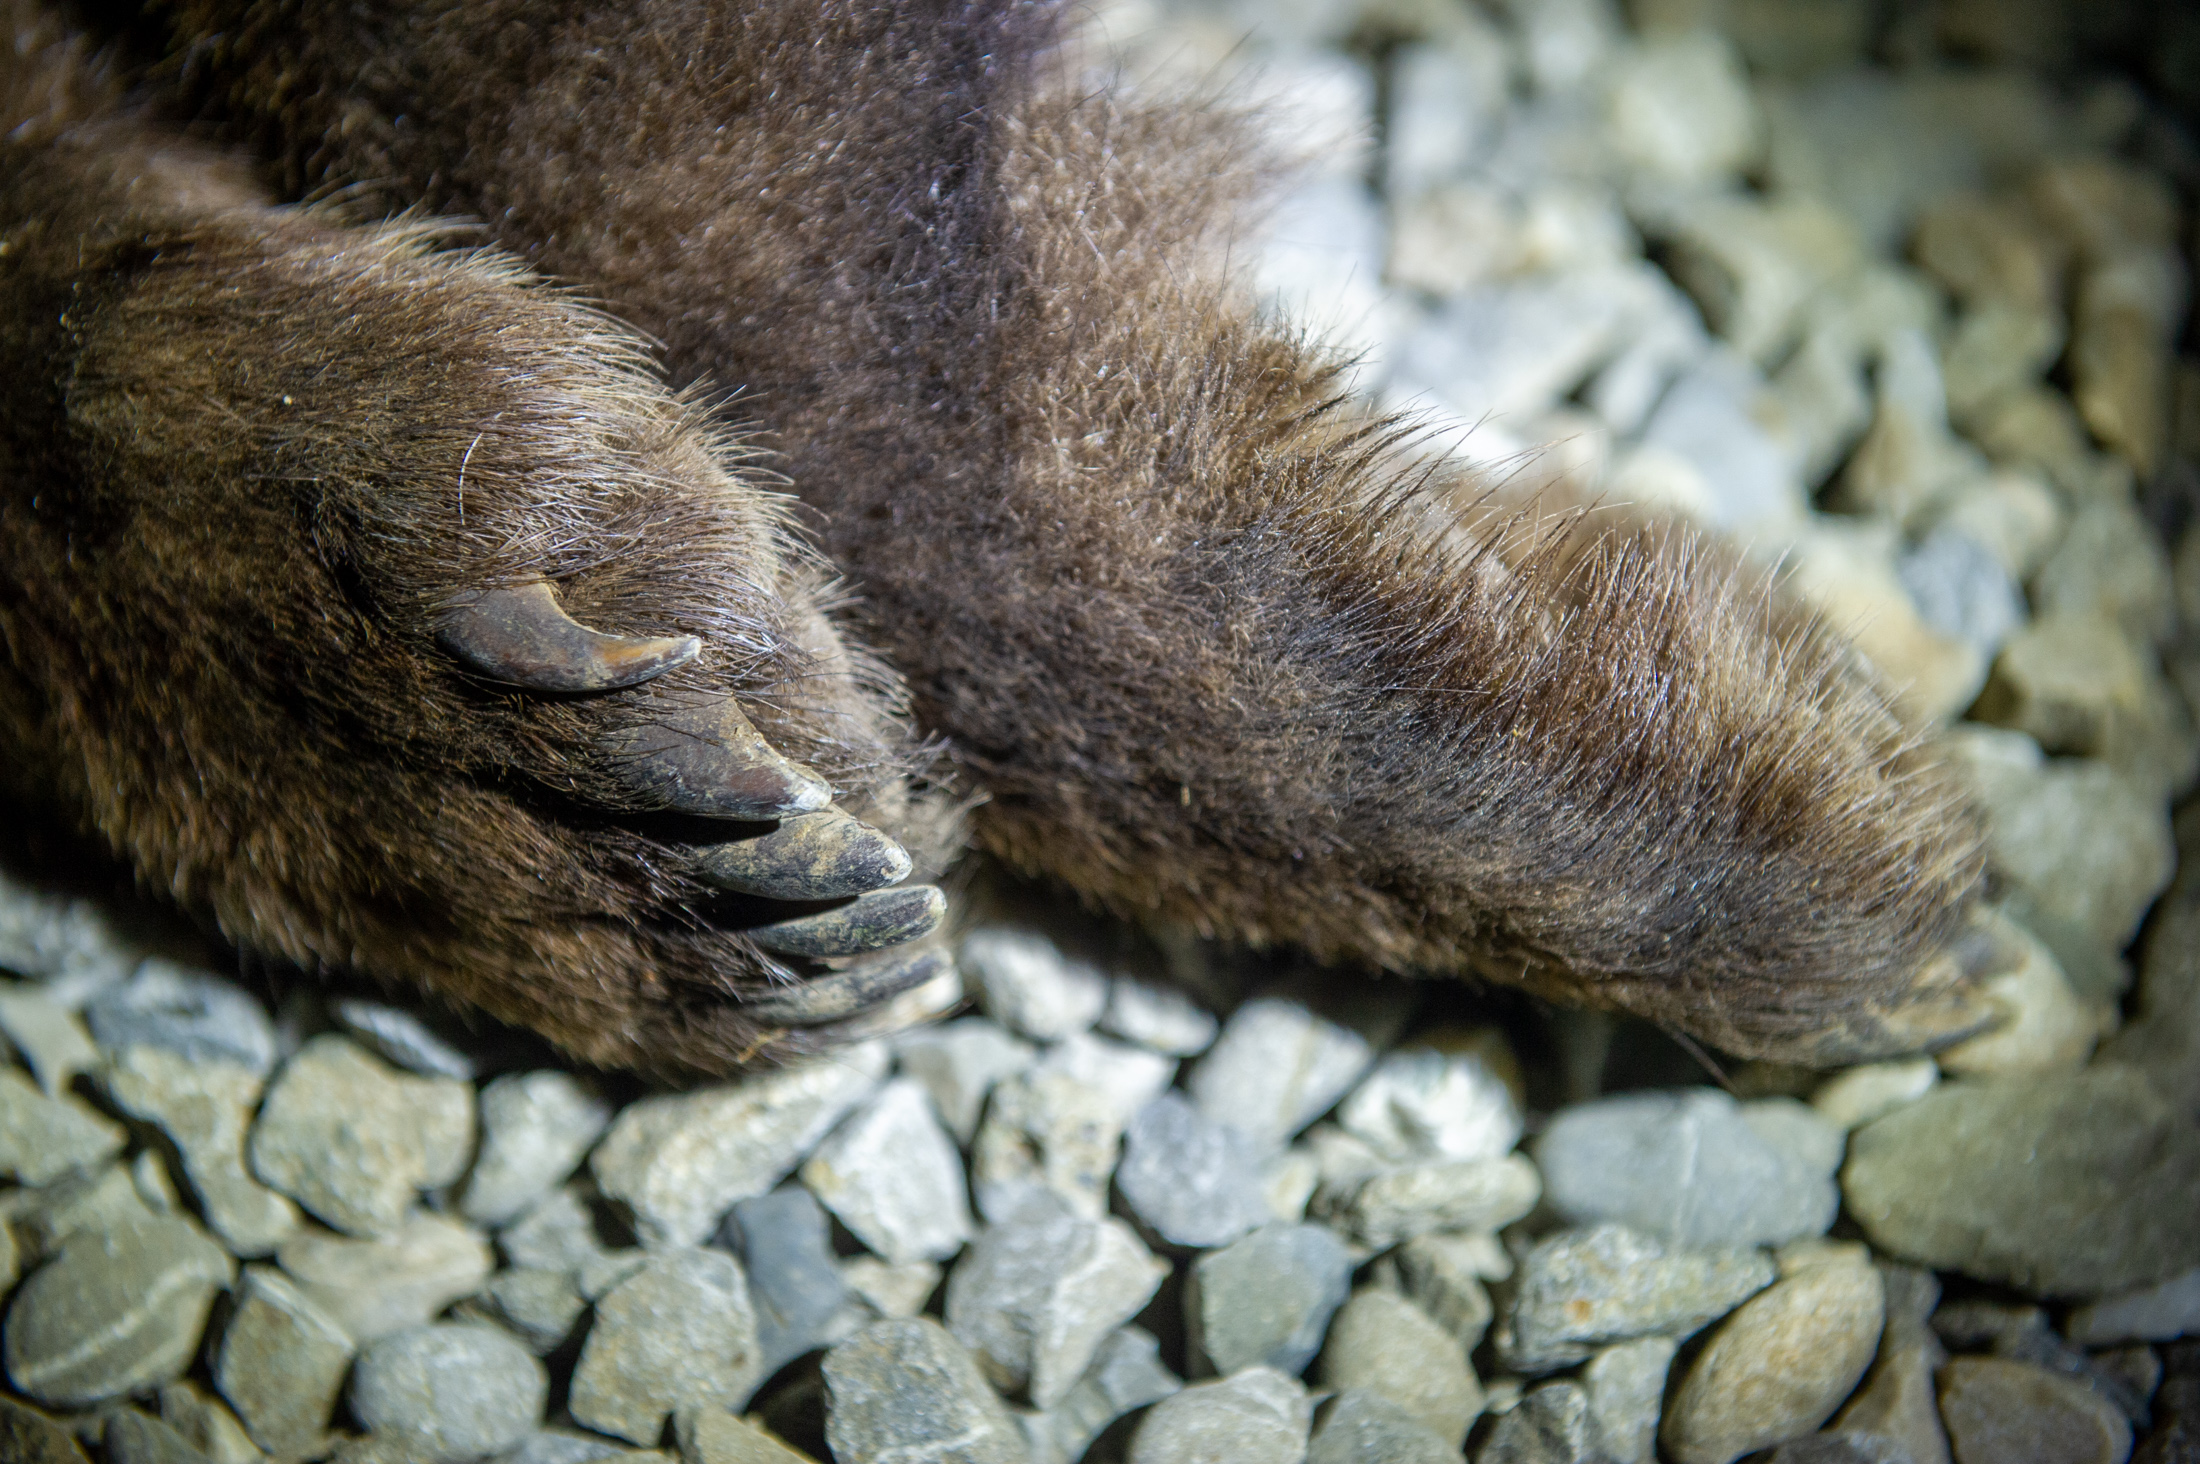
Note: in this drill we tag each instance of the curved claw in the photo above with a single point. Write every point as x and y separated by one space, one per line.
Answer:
813 856
866 923
848 993
523 637
708 760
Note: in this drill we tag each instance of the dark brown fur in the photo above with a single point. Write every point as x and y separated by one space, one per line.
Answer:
1218 648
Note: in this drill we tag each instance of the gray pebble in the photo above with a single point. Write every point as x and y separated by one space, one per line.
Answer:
787 1250
50 1037
1419 1103
1275 1069
1840 1447
2153 1314
28 1436
1258 1416
1383 1343
1130 1077
375 1287
891 1175
1442 1275
456 1392
118 1311
1780 1365
563 1446
354 1140
1028 985
959 1063
195 1013
557 1233
1126 1373
1626 1387
1047 1140
905 1392
1158 1017
1266 1300
43 1138
1447 1194
1996 1409
2069 1184
679 1330
891 1291
40 1220
133 1438
1961 589
1897 1401
205 1107
538 1307
282 1364
207 1424
1360 1427
714 1436
535 1128
1580 1290
402 1038
681 1161
1191 1181
1551 1424
1691 1169
1033 1300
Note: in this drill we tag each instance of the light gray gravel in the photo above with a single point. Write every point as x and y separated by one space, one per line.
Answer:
891 1174
1191 1181
1551 1424
51 1039
195 1013
1158 1017
375 1287
787 1252
905 1392
1359 1427
1033 1300
1126 1373
205 1107
453 1392
1257 1416
282 1364
1275 1069
1029 986
680 1330
42 1138
959 1063
1419 1103
1396 1204
1049 1141
535 1129
1266 1300
1583 1289
1384 1344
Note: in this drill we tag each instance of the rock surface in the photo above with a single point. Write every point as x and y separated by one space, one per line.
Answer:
891 1175
1276 1068
1584 1289
282 1364
905 1392
1191 1181
375 1287
195 1014
1360 1427
534 1129
1029 986
43 1138
1382 1343
678 1331
1266 1300
205 1108
452 1393
1257 1416
1997 1409
1033 1300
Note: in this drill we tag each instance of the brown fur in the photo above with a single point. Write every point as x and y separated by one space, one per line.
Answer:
1217 647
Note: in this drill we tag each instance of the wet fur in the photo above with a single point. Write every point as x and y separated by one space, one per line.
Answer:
1216 647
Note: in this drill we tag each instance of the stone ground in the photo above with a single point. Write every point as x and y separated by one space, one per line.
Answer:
1904 325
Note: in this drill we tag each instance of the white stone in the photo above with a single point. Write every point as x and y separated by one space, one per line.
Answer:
1129 1077
2157 1314
1028 985
1421 1103
892 1176
1275 1069
1158 1017
1445 98
1708 418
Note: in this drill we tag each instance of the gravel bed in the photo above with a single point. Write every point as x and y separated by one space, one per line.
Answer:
1908 330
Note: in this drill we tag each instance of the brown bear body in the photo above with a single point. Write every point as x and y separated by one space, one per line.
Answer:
1214 646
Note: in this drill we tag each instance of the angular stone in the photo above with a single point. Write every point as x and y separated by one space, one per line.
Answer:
1130 1077
1028 985
1838 1447
1897 1401
1626 1386
133 1438
1997 1409
1781 1364
1685 1167
535 1127
2158 1313
194 1013
891 1291
50 1037
375 1287
679 1162
1442 1274
116 1312
1414 1199
1360 1427
1191 1181
1961 589
1257 1416
1275 1069
1158 1017
43 1138
905 1392
205 1108
28 1436
1266 1300
1549 1425
207 1424
680 1330
453 1392
282 1364
787 1250
1580 1290
355 1140
538 1307
567 1446
959 1063
1854 1098
403 1039
892 1176
714 1436
1033 1300
1383 1343
1048 1140
1420 1103
557 1233
2063 1184
1125 1374
2078 683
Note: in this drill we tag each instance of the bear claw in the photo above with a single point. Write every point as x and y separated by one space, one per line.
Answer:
523 637
826 855
866 923
708 759
848 993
